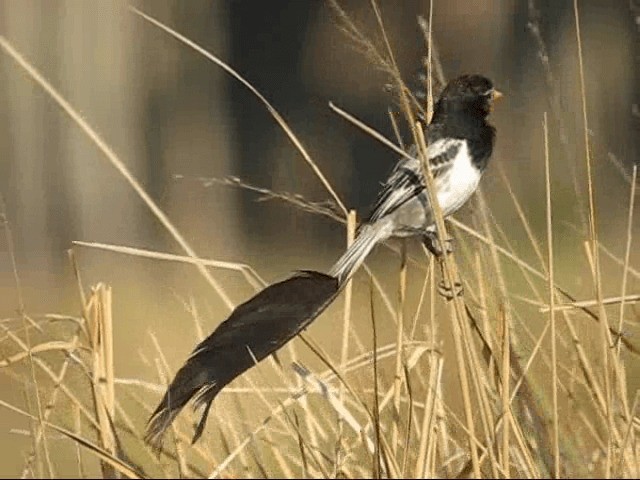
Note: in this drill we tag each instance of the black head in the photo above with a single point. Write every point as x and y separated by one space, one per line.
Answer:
468 93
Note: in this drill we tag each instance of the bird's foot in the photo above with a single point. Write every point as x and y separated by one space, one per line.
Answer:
430 240
449 293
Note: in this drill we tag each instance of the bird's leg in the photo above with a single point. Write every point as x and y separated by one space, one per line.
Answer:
430 240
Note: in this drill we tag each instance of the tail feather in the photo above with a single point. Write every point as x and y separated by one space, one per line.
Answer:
368 237
254 330
190 380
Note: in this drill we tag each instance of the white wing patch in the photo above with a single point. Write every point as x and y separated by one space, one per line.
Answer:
406 181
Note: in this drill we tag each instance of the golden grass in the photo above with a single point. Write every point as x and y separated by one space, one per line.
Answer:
375 402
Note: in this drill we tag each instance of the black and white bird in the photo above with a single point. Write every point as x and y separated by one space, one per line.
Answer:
460 143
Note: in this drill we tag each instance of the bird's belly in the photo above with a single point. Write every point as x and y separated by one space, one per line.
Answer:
413 218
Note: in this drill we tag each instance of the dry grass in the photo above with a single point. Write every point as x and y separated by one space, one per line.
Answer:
538 393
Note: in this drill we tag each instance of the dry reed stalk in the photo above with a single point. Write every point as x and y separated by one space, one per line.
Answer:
346 316
398 377
552 315
428 437
100 325
506 404
448 264
595 252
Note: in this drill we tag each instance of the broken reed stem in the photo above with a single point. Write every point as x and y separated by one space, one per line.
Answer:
101 343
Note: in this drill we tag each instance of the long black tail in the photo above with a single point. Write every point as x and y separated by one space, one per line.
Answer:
253 331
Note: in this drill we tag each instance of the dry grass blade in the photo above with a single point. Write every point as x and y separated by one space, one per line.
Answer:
398 378
552 313
506 403
346 318
303 456
274 113
249 273
336 403
78 431
593 234
373 133
53 398
488 240
407 427
325 208
115 463
433 58
26 321
428 434
591 303
55 378
359 40
627 253
523 220
115 161
630 442
50 346
377 464
118 465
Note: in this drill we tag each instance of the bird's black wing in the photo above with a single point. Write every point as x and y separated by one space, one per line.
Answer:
406 180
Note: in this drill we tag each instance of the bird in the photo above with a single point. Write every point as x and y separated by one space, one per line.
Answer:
460 144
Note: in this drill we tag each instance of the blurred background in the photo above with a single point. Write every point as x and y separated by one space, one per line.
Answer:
173 117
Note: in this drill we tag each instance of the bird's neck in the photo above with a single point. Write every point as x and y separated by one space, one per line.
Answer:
473 110
460 124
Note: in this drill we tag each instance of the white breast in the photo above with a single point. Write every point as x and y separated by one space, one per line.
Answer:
458 184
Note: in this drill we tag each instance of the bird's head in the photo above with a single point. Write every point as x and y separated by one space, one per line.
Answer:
468 93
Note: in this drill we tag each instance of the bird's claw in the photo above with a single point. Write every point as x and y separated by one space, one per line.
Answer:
430 240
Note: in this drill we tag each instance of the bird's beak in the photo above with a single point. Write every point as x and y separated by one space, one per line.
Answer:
497 94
